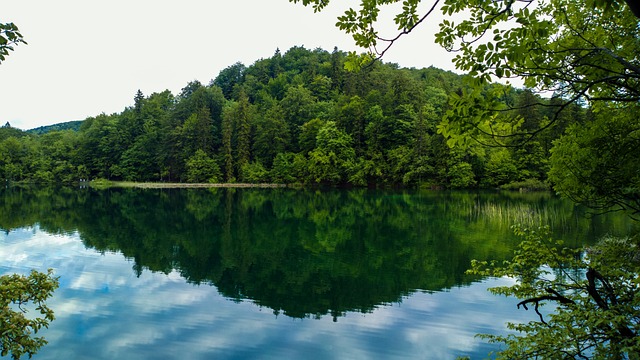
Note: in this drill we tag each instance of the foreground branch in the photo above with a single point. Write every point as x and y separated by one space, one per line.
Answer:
555 296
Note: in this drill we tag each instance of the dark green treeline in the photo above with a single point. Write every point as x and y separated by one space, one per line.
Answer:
296 117
300 252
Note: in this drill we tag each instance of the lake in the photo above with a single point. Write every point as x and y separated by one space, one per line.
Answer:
276 273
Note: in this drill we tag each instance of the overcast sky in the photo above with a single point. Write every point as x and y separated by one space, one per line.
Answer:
84 57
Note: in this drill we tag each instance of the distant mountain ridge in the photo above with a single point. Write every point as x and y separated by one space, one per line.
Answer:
69 125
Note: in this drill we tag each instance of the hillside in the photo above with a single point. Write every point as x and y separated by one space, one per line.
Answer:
294 117
69 125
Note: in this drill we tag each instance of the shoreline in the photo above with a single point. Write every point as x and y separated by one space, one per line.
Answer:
153 185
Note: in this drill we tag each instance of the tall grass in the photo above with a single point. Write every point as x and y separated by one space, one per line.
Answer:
519 213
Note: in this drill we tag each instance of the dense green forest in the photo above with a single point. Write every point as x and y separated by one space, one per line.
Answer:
296 117
69 125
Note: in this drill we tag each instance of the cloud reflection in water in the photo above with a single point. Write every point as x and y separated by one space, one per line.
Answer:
103 311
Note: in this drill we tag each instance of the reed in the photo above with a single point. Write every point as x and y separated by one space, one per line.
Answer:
518 213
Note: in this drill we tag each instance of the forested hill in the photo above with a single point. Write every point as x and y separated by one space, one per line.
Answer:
69 125
295 117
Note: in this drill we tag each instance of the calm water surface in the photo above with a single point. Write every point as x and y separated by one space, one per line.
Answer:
274 273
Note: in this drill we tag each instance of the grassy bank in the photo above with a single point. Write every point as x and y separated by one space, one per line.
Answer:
102 184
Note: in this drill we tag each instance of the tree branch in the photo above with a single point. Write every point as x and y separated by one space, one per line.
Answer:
536 301
403 32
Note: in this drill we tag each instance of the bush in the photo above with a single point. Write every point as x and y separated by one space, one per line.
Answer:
254 173
201 168
527 185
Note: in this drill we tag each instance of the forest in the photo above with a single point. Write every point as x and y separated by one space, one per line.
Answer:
295 117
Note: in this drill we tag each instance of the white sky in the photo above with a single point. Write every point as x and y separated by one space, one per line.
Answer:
87 57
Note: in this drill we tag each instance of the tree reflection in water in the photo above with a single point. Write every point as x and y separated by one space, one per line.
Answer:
303 253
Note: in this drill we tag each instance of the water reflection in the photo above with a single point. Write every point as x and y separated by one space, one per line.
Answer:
103 311
299 252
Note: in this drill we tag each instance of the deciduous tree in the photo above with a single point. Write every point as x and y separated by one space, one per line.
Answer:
18 295
9 37
594 293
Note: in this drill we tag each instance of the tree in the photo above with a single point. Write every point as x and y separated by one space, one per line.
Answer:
198 131
243 124
272 136
283 170
17 293
228 78
363 23
297 109
12 155
58 154
594 292
137 100
500 168
579 54
227 135
596 164
582 53
330 161
308 135
254 173
102 145
9 37
352 120
202 169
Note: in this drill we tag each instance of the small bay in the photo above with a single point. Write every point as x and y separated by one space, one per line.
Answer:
276 273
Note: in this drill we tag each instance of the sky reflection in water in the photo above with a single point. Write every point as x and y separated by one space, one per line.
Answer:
298 274
103 311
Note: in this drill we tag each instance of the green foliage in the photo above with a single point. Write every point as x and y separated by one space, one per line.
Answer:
228 78
308 135
255 173
594 293
384 131
18 293
461 175
560 47
500 168
197 131
583 54
9 37
272 136
555 44
201 168
362 25
69 125
333 156
596 164
526 185
283 171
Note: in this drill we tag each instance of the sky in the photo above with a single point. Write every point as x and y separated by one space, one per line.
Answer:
85 58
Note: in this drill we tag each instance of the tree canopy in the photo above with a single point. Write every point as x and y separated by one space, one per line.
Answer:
594 294
19 293
10 36
296 117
